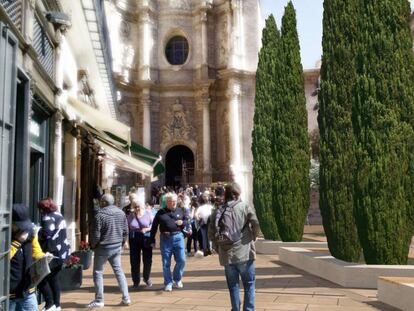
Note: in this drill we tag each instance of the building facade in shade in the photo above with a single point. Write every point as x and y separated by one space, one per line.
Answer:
185 74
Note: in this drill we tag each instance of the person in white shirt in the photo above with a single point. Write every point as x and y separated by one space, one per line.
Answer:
202 216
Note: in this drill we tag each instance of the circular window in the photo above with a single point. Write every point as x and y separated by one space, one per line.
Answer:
176 50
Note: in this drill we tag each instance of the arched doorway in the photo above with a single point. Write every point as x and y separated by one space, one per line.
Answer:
179 166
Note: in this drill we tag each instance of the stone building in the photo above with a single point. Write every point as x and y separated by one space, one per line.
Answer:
185 71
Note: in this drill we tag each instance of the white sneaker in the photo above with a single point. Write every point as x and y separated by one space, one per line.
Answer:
52 308
168 288
95 304
126 302
199 254
58 309
178 284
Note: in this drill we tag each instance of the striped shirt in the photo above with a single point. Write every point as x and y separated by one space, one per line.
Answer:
109 228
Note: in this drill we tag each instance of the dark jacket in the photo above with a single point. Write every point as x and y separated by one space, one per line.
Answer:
109 228
165 219
21 258
53 238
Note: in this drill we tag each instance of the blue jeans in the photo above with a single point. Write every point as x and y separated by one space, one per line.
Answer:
113 255
174 245
28 303
247 271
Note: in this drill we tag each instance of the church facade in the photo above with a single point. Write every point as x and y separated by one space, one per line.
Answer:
185 75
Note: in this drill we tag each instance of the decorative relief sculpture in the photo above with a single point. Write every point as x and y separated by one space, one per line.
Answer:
125 29
222 50
178 127
180 4
125 114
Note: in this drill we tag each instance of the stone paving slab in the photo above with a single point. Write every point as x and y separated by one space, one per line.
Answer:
279 287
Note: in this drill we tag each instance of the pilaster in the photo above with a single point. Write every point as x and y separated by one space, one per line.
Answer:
146 118
203 104
237 35
145 22
57 159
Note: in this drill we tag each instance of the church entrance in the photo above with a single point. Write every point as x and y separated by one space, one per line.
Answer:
179 166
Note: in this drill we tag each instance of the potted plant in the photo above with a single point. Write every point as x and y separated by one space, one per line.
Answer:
85 254
70 277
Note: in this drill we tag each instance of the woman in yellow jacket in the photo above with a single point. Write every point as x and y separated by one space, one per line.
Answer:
24 250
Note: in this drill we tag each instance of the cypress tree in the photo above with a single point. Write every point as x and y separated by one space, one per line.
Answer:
262 131
382 121
291 145
337 161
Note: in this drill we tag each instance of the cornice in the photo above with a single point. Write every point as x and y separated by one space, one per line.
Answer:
235 73
311 72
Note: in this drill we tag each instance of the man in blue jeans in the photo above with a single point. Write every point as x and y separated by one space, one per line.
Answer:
171 221
108 235
238 257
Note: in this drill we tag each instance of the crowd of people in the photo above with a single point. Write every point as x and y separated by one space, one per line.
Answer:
188 222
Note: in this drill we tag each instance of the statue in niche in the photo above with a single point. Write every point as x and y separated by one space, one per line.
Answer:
178 127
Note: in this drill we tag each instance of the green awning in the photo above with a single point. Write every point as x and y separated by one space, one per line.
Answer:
142 153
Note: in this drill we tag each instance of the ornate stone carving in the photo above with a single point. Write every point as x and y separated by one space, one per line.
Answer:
203 16
125 29
180 4
203 93
222 50
125 114
178 127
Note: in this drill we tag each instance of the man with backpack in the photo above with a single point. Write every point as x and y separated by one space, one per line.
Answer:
233 229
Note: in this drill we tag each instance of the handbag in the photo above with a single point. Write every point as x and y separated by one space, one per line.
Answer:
38 271
146 236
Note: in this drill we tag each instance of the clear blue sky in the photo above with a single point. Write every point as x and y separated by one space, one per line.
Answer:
309 16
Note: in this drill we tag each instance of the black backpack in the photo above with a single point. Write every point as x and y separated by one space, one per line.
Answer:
228 230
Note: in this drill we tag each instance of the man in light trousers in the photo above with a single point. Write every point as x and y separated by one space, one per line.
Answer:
108 235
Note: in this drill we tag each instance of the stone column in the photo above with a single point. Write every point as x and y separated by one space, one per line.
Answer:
237 33
78 150
206 142
237 168
57 160
69 197
203 104
146 118
146 45
58 118
204 43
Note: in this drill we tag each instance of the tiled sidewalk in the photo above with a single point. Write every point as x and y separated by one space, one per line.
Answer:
279 287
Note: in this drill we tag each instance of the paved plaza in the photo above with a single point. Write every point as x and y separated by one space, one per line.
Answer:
279 287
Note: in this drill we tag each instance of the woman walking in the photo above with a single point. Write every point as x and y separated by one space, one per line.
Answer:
202 215
193 238
52 239
140 222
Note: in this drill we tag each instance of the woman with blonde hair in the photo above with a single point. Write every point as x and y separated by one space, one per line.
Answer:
140 222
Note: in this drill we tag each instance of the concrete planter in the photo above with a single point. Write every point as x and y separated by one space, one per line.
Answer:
85 258
267 247
340 272
397 292
70 278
